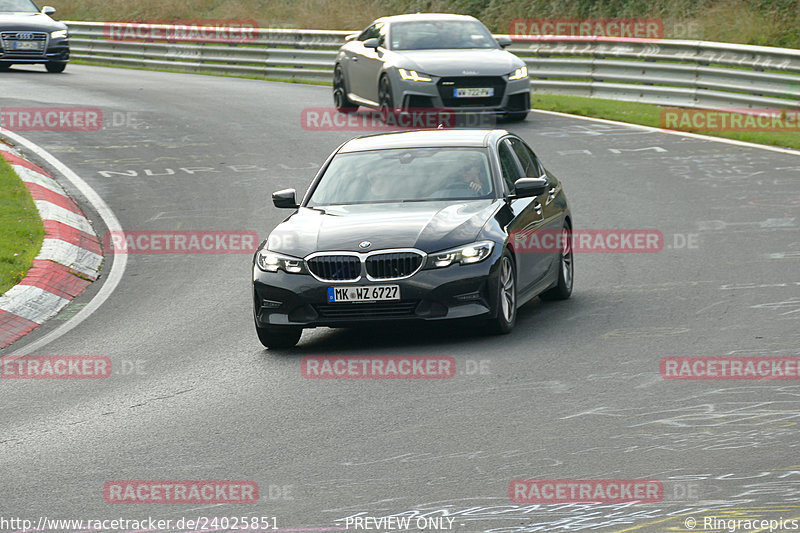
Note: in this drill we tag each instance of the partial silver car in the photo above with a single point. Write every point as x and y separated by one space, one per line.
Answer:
430 61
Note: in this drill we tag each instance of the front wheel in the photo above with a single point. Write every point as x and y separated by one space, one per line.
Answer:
563 288
385 98
506 297
55 68
278 336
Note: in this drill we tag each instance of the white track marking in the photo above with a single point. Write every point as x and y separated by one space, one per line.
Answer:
674 132
120 261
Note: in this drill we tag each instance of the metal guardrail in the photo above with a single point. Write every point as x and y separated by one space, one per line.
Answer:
666 72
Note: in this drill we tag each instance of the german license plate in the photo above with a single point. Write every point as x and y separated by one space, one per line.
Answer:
378 293
25 45
473 92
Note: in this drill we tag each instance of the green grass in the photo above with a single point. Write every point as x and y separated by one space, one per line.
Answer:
762 22
647 115
21 229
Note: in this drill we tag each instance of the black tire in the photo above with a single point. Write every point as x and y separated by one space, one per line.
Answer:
385 98
566 270
517 117
4 67
54 67
279 336
340 100
506 317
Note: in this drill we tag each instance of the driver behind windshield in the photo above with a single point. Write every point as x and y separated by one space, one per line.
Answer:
471 178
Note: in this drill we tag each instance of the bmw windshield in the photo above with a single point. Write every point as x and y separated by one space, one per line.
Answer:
405 175
434 34
18 6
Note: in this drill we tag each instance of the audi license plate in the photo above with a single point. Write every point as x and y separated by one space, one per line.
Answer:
473 92
378 293
25 45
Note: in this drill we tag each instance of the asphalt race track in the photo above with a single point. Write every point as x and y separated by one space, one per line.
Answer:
573 393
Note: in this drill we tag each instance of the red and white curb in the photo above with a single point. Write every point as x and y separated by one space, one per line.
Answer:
68 262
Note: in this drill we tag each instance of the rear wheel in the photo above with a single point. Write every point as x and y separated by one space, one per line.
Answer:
4 67
55 68
506 297
279 336
340 100
563 288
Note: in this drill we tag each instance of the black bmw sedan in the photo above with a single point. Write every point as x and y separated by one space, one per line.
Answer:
28 35
414 226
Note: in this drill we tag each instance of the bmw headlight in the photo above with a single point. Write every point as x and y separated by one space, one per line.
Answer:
413 75
521 72
272 262
58 34
464 255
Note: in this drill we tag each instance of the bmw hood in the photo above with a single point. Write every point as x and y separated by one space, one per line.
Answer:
29 22
472 62
428 226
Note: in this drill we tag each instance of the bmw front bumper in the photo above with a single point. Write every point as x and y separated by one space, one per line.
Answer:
454 292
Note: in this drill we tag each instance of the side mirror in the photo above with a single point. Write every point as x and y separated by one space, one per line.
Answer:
48 10
285 199
527 187
504 41
371 43
348 38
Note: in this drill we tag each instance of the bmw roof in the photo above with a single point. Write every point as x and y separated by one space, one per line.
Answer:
422 139
410 17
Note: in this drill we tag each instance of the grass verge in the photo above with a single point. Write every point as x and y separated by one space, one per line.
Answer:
648 115
21 229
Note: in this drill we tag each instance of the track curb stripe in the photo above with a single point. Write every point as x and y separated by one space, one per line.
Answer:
69 260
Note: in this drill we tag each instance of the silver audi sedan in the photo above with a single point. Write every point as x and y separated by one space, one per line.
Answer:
430 61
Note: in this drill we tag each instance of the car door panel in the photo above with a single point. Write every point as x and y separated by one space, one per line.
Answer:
528 219
552 212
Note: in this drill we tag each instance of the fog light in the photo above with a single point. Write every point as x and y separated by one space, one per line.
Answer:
469 297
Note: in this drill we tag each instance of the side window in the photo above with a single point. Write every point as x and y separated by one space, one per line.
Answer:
369 33
508 165
373 32
528 159
382 35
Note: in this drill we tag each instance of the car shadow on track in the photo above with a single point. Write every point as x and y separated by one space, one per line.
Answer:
423 336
